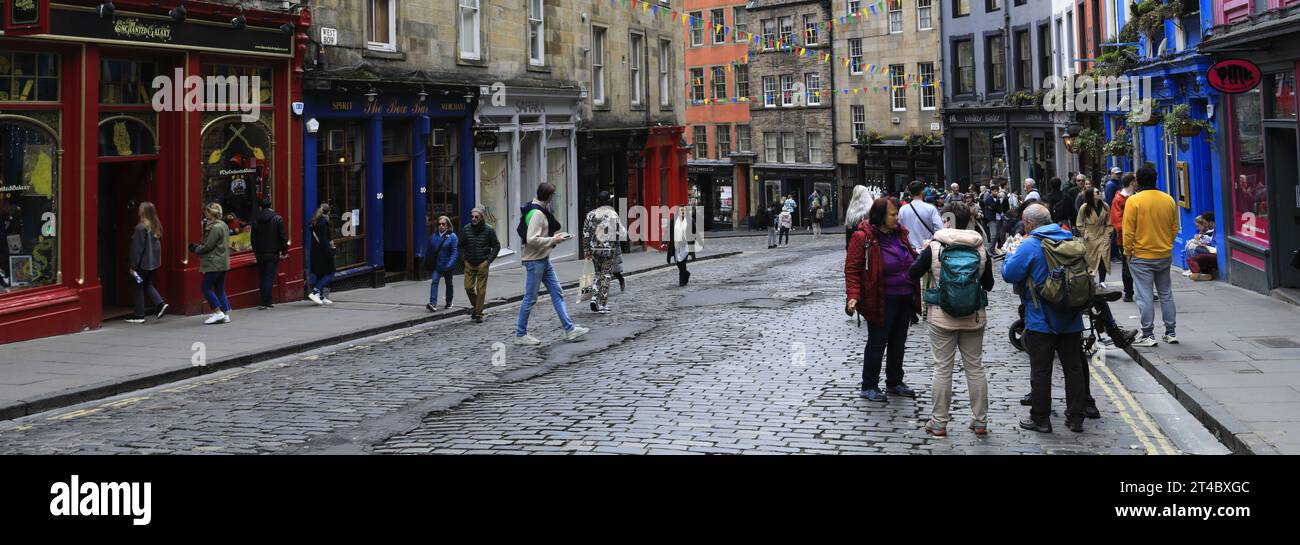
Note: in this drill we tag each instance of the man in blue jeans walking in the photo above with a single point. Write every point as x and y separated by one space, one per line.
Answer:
542 234
1150 226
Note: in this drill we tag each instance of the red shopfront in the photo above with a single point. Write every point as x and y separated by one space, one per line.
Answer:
82 143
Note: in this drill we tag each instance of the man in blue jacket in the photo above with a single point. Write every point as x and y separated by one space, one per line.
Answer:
1048 331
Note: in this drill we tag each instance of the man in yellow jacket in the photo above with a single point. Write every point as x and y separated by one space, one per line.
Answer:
1150 226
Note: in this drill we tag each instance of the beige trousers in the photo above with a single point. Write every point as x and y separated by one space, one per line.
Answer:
945 343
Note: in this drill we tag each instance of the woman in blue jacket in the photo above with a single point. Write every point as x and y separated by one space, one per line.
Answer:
441 257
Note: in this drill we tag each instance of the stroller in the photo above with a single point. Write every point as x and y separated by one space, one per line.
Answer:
1093 327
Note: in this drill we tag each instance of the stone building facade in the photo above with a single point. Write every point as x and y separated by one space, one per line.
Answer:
892 69
450 105
793 123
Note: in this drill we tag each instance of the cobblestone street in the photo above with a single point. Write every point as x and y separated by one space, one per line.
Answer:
755 356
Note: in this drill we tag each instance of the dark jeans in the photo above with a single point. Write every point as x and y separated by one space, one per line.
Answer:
1069 348
214 289
683 275
1101 272
145 286
1127 277
892 335
784 237
267 266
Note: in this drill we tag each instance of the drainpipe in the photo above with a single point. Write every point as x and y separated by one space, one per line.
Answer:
1006 85
830 39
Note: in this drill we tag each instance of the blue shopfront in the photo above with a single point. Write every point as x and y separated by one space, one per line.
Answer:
389 164
1187 165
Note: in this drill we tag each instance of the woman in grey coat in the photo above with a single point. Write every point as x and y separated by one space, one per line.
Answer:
145 258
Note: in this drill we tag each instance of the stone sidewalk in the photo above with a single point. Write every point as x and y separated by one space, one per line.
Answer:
49 373
1236 367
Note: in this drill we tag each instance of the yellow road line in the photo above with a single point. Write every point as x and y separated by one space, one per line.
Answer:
1141 414
75 414
123 402
1136 415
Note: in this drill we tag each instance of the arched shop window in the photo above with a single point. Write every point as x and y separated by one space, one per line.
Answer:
236 172
126 136
28 196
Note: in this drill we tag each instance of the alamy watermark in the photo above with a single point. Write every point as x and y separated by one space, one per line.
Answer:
181 93
1085 93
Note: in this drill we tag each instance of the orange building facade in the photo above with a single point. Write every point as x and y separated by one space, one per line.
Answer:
717 113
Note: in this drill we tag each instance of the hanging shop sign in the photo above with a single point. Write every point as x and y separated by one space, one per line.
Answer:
485 139
139 28
25 16
1234 76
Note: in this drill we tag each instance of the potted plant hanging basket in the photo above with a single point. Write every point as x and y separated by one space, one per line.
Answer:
1152 121
1188 131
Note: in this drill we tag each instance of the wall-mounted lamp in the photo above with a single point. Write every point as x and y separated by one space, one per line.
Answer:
178 13
239 22
106 9
287 28
422 95
469 97
371 95
313 126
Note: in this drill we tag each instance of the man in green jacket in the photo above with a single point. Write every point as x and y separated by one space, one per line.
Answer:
479 247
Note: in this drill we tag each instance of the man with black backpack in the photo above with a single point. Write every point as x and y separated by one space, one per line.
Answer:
541 233
1052 272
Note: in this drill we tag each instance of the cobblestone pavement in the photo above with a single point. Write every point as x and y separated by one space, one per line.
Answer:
755 356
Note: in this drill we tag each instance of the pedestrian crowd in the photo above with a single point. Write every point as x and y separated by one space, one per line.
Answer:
931 256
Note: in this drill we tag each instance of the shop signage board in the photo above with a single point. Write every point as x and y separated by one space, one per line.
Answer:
138 28
22 17
1234 76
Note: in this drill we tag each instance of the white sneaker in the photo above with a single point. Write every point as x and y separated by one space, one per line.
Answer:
527 340
216 317
225 318
603 309
315 298
325 301
1171 339
1145 341
577 332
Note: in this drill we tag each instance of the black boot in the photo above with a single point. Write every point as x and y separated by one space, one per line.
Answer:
1089 409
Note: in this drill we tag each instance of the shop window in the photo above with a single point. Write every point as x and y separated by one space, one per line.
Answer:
1282 96
443 196
28 199
125 82
29 77
236 173
266 88
1249 190
494 183
557 173
340 181
125 135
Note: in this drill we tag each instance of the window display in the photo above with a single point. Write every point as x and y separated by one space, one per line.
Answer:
340 181
557 173
443 195
236 173
1249 190
28 186
494 173
29 77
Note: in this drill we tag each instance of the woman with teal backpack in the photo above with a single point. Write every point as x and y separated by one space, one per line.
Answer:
960 272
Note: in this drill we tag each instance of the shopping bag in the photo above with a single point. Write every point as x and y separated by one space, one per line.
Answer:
587 282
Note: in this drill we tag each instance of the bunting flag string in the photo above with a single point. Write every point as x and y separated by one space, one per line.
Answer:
823 93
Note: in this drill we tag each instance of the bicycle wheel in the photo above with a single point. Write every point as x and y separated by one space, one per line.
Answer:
1017 334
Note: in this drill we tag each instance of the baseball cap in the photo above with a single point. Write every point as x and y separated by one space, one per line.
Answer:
1115 170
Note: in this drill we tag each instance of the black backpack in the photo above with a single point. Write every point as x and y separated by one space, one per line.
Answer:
553 225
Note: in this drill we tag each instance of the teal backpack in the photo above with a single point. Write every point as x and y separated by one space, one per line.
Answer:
959 293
